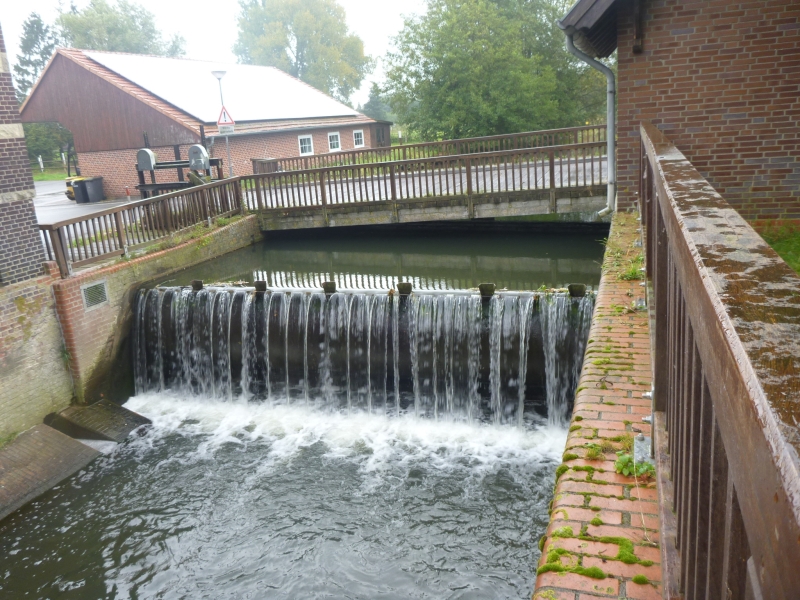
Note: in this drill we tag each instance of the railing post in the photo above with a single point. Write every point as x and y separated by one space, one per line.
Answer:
57 241
552 158
240 195
323 194
393 178
123 239
470 205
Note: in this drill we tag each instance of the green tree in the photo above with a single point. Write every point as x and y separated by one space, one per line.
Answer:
376 106
308 39
35 49
124 27
482 67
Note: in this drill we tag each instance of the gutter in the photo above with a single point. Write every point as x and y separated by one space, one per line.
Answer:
611 123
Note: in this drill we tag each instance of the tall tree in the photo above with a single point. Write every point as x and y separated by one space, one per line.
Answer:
35 49
376 105
481 67
124 27
308 39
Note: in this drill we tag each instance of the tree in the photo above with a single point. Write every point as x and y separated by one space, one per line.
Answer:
376 106
482 67
125 27
308 39
35 49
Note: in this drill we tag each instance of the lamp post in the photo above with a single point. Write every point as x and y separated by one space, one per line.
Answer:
219 75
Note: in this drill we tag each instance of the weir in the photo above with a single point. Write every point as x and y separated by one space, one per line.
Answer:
503 359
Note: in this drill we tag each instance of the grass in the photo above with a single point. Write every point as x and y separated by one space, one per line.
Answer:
785 240
47 175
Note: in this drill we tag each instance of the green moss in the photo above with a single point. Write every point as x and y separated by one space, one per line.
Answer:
593 572
602 361
596 521
575 428
610 403
626 441
593 453
577 418
563 532
542 541
640 579
569 456
595 508
561 470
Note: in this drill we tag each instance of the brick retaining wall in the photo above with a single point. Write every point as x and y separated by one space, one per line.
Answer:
94 337
596 513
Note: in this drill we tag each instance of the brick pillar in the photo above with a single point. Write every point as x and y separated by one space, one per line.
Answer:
21 250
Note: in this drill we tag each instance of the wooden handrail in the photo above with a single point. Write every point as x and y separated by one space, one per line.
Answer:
726 336
349 156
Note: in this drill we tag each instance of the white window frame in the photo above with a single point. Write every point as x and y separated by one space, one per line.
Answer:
339 137
300 144
361 145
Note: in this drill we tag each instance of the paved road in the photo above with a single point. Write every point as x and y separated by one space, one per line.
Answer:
52 204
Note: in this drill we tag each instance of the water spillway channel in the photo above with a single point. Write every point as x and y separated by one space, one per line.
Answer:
355 445
451 356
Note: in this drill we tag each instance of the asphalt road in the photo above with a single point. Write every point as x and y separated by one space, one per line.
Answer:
52 204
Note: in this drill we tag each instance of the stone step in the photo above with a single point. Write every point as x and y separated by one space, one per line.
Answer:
103 420
35 461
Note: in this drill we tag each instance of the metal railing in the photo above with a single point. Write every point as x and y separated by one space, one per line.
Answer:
725 314
495 143
107 233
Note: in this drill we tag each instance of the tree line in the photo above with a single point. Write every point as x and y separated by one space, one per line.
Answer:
463 68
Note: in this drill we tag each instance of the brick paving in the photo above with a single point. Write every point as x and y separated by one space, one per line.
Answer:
604 527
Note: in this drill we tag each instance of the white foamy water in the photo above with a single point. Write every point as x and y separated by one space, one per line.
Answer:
376 442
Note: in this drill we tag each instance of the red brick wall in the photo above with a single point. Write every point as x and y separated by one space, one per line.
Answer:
281 145
118 167
722 80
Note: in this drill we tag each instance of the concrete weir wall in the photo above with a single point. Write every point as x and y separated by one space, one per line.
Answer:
94 337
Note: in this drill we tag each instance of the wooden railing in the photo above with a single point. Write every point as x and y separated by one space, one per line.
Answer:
725 311
495 143
574 165
107 233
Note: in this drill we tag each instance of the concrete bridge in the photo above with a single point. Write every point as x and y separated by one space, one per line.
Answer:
498 176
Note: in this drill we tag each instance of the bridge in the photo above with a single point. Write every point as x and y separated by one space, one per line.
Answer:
497 176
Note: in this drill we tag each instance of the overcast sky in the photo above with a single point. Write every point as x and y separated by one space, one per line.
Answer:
210 27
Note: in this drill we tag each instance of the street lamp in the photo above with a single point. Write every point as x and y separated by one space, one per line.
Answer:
219 75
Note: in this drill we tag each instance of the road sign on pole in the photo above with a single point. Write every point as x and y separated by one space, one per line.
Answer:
225 123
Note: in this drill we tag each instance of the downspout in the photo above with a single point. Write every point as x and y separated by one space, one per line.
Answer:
611 124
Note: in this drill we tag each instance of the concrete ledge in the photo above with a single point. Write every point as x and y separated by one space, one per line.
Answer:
37 460
103 420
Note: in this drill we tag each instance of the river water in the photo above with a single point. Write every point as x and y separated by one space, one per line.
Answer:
239 495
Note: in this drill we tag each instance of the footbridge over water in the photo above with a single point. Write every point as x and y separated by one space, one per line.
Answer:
558 172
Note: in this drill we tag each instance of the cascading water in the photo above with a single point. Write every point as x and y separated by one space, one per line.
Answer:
443 356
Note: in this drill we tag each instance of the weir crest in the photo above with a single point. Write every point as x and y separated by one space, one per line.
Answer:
502 359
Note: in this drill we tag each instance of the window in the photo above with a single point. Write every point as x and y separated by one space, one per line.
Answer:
333 142
306 145
358 139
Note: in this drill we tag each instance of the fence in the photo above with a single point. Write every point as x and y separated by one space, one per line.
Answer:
108 233
574 165
496 143
726 340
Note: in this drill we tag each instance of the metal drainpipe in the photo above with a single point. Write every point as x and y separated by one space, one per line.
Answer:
611 123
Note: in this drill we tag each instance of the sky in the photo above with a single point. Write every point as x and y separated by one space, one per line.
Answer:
209 28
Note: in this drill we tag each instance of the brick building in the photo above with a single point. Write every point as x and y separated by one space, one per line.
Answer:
720 78
116 103
21 251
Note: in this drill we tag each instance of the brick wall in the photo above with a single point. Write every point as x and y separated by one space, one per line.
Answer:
96 339
34 379
117 167
722 80
21 251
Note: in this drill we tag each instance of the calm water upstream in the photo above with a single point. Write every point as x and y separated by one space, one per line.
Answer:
225 498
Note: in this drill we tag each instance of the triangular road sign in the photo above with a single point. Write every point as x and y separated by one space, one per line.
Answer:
225 118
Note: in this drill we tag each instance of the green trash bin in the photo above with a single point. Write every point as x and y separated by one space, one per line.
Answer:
88 190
